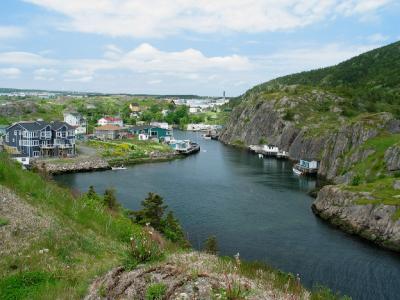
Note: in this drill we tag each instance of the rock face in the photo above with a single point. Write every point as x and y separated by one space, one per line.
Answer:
72 166
185 276
392 158
251 122
373 222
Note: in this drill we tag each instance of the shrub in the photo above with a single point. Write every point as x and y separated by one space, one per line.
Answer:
143 249
211 245
288 116
156 291
262 141
3 222
110 200
356 180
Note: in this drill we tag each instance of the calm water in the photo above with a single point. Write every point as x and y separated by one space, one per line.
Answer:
256 207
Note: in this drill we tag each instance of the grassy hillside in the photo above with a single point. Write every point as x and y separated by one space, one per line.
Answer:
369 82
55 242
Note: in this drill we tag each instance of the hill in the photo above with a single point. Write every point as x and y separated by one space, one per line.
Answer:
371 81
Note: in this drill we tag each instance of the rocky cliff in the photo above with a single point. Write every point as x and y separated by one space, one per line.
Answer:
263 120
371 221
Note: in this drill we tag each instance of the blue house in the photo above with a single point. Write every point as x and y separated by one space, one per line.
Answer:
151 131
40 139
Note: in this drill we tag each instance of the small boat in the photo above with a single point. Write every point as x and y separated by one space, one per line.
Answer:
260 155
206 137
118 168
296 171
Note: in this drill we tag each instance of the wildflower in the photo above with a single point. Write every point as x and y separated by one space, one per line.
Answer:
45 250
41 251
131 238
147 224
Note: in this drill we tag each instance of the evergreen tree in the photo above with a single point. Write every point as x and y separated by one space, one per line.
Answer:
110 200
91 193
172 228
152 212
211 245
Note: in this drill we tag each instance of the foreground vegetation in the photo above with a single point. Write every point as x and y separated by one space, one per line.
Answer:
76 237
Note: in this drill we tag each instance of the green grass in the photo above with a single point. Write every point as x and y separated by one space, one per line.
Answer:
129 148
3 221
373 167
156 291
85 240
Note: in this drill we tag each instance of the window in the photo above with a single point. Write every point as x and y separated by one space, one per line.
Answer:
7 137
36 153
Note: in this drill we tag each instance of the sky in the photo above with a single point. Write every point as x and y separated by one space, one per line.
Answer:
199 47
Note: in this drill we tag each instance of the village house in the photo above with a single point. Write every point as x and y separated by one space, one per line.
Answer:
76 120
145 132
108 132
110 121
40 139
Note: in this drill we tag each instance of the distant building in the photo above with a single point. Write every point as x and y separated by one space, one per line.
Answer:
134 107
40 139
110 121
3 130
108 132
76 120
163 125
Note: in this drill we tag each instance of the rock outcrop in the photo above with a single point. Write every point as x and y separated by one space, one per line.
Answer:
73 165
372 222
184 276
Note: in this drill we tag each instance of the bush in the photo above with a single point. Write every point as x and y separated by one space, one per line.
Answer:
143 249
110 200
3 221
211 245
356 180
288 116
156 291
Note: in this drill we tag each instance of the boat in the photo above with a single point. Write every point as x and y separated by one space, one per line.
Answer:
193 148
296 171
118 168
206 137
260 155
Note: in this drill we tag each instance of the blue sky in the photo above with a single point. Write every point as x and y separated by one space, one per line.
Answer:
182 46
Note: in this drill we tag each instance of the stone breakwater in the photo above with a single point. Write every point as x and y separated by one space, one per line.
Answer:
72 166
373 222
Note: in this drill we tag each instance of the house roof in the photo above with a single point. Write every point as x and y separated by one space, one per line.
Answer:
112 119
108 127
58 124
39 125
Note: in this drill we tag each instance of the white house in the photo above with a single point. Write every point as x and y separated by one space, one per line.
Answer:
313 164
143 137
163 125
270 149
110 121
76 120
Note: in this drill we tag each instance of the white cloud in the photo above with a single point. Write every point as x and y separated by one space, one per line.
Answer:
10 73
377 38
157 18
45 74
79 75
24 59
9 32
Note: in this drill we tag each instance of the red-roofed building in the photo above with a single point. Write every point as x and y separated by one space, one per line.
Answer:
110 121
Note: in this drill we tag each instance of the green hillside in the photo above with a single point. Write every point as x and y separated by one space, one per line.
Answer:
370 81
